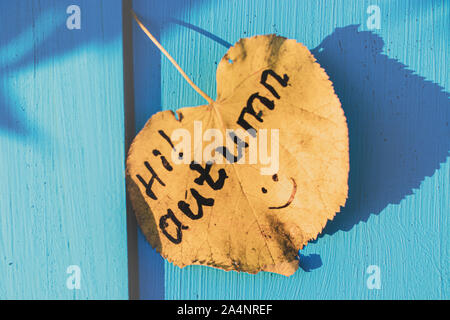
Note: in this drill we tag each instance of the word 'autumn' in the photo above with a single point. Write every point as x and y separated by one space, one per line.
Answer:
205 171
215 152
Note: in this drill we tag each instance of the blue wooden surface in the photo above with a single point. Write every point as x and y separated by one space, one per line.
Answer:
62 193
393 84
62 199
147 90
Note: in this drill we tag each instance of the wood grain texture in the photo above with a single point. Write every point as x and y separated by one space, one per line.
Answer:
62 196
393 84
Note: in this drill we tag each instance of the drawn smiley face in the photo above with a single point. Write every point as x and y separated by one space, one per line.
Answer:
291 197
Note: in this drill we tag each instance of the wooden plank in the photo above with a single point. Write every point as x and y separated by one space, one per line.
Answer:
147 101
396 217
62 197
128 86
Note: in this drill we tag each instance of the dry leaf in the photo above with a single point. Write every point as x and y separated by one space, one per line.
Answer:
248 221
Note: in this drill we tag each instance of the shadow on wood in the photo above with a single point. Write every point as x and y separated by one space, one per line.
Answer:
398 123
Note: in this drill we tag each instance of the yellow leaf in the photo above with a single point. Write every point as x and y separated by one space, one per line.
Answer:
249 213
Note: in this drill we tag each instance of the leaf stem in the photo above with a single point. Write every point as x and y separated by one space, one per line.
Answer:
161 48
